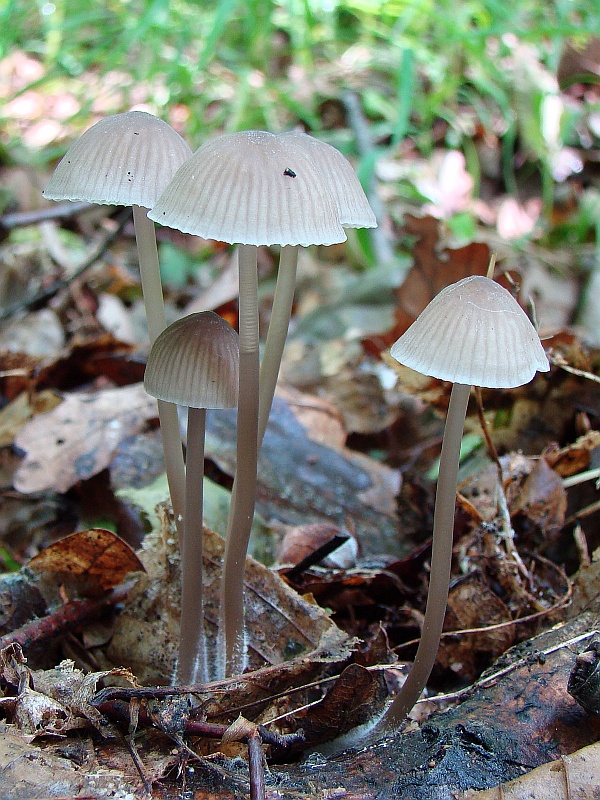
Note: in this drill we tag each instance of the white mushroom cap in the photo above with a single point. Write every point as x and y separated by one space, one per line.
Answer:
252 188
340 178
195 363
125 159
473 332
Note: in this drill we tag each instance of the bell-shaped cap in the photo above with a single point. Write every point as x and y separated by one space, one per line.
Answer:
125 159
473 332
195 363
251 187
340 178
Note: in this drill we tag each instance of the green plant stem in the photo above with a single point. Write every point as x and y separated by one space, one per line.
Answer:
191 663
441 560
231 652
277 333
155 314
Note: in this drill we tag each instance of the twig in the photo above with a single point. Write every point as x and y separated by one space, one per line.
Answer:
458 695
316 556
64 619
256 766
22 219
118 711
50 291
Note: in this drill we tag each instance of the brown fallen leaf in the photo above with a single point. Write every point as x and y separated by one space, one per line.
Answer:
571 776
78 438
27 770
350 702
473 604
281 625
96 560
574 457
432 271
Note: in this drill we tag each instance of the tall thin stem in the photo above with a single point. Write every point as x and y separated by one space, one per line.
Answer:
231 646
441 560
191 664
277 333
155 314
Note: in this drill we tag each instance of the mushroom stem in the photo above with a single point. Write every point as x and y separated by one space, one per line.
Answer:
231 644
277 333
441 559
191 663
145 236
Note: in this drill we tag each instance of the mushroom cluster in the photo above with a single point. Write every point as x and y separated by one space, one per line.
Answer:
251 188
257 188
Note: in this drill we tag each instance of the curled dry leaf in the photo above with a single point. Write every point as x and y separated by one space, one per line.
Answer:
575 457
534 493
353 700
78 438
52 702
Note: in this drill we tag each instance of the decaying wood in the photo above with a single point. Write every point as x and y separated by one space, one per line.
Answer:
567 778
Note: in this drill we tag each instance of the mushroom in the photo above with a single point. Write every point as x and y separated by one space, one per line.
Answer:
472 333
194 363
128 159
250 188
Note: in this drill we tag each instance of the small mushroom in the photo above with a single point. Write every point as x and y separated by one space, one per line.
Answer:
194 363
472 333
128 159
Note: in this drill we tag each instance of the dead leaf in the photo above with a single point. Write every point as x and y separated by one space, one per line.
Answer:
433 269
97 556
354 698
28 771
51 702
280 625
15 414
575 457
472 604
78 439
541 501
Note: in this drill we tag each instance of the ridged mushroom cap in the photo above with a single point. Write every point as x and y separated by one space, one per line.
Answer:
251 187
195 362
125 159
341 180
473 332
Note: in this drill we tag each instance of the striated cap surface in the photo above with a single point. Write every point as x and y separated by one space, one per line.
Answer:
340 178
195 363
473 332
251 187
125 159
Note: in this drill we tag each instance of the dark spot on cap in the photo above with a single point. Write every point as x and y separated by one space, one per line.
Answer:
289 172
